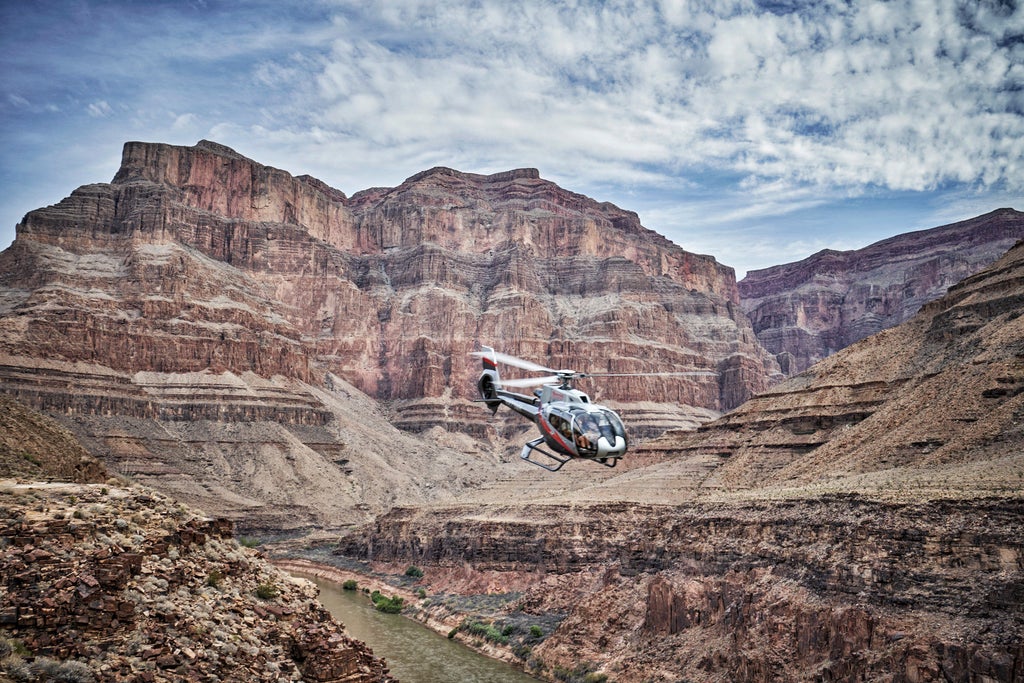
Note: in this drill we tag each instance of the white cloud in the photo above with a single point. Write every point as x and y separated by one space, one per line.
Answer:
830 97
777 110
184 121
99 109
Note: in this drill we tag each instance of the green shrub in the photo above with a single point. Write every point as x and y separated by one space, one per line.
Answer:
350 585
487 632
536 631
421 593
583 673
46 669
214 578
522 651
382 603
267 591
414 571
248 541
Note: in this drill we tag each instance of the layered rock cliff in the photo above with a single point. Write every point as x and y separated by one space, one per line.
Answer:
861 521
213 326
807 310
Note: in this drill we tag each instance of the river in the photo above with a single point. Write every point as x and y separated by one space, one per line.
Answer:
414 653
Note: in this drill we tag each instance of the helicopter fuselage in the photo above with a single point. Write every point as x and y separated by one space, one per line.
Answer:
569 424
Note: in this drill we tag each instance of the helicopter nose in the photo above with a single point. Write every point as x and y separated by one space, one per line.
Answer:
606 449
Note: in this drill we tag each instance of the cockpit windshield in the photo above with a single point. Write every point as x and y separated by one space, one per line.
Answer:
589 426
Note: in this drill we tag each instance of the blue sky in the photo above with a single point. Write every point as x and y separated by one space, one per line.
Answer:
759 132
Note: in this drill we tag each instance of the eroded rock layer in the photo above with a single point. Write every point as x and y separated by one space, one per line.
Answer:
931 407
191 320
861 521
195 258
835 588
807 310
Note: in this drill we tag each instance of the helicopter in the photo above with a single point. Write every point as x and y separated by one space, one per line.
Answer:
570 425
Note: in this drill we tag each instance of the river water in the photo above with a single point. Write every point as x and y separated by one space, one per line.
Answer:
414 653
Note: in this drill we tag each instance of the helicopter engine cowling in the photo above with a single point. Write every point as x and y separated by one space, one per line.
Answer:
488 386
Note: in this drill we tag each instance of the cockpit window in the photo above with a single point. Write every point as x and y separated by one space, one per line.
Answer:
586 431
588 426
615 423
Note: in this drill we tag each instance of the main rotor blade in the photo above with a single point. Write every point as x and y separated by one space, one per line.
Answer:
528 381
512 360
691 373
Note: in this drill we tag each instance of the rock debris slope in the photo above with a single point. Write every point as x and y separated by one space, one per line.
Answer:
123 584
861 521
103 582
213 327
807 310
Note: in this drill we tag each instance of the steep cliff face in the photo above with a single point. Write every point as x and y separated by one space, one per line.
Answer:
832 588
206 324
807 310
197 258
861 521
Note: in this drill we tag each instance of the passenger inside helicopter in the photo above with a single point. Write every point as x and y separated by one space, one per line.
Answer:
563 425
590 426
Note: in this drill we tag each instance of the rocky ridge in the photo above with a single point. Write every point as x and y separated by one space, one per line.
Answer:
807 310
833 588
35 447
101 582
861 521
933 407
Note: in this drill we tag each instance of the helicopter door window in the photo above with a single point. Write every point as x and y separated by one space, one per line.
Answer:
560 423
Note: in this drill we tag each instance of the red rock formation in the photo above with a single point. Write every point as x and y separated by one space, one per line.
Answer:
861 521
202 298
197 258
807 310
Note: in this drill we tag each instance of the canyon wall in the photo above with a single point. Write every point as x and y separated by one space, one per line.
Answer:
805 311
861 521
827 588
224 330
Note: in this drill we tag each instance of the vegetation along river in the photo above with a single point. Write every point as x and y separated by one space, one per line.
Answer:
414 653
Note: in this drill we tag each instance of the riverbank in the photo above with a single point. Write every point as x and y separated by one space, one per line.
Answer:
483 628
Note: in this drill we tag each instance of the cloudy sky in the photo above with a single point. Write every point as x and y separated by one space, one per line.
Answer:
759 131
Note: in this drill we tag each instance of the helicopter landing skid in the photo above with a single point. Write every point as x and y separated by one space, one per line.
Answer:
534 446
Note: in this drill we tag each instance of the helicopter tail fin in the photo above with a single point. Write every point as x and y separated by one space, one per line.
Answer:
490 380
